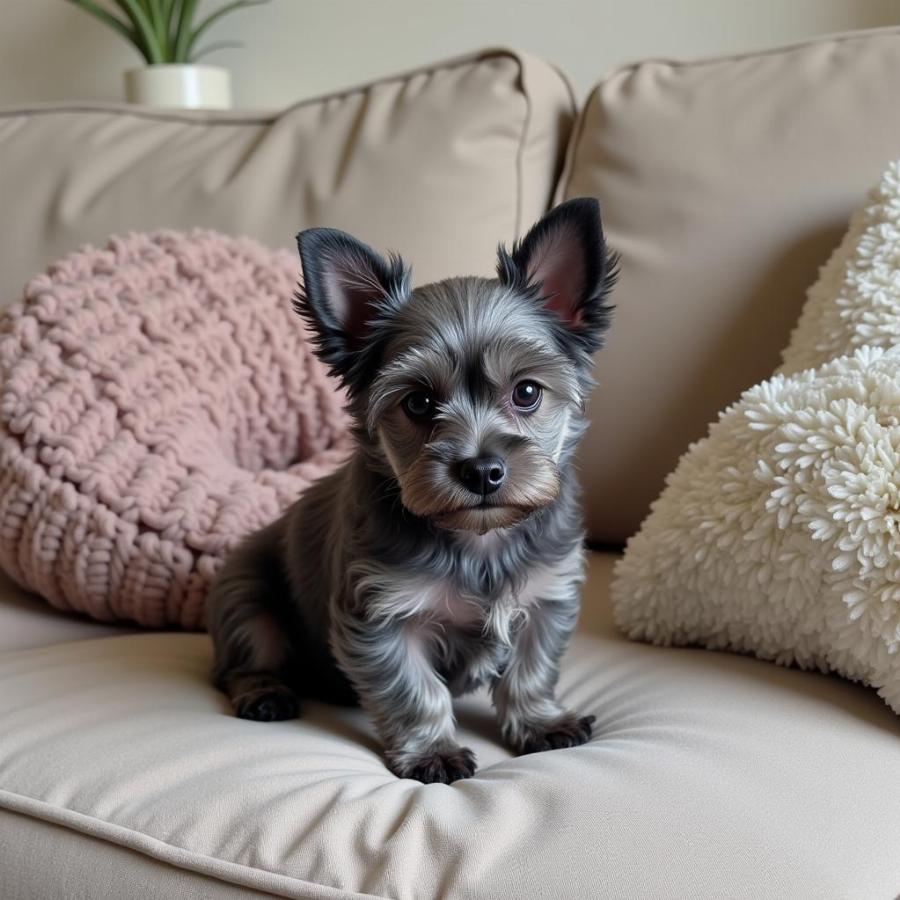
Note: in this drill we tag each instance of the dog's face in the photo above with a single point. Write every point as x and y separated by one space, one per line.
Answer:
468 392
474 405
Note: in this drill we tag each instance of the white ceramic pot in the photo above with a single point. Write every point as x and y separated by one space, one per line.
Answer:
180 86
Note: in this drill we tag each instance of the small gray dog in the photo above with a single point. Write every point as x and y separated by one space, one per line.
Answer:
446 553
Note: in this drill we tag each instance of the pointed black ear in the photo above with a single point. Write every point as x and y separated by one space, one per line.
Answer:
565 259
348 291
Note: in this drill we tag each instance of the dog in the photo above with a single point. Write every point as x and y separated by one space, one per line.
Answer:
446 553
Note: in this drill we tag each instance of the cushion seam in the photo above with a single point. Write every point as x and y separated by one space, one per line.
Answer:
578 131
63 816
527 121
520 150
889 31
590 100
201 117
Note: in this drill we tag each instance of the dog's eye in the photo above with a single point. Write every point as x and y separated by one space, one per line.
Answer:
419 405
526 396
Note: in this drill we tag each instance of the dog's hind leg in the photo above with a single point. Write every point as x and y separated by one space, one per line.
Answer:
252 645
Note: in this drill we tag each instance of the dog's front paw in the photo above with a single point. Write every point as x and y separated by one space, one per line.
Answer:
272 705
567 731
440 766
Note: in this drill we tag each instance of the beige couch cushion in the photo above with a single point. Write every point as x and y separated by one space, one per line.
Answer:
710 775
27 621
725 183
440 163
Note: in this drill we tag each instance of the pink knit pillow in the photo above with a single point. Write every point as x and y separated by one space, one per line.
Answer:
159 401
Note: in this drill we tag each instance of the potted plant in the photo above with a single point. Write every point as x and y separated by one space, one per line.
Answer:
166 34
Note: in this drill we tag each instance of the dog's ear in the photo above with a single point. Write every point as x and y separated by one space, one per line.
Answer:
348 291
565 259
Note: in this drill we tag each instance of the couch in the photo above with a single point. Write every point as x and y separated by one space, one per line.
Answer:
724 185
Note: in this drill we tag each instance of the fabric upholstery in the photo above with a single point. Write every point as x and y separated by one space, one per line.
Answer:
441 163
160 399
113 872
710 775
725 183
26 621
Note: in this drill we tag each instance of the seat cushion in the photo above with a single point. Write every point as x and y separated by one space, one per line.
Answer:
725 184
440 163
26 621
709 775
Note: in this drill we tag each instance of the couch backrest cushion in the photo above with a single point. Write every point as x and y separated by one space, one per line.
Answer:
725 184
440 163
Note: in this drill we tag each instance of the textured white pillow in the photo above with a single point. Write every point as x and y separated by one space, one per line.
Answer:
779 533
856 300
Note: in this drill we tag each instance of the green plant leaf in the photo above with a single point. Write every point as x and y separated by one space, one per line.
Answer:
217 14
183 31
143 28
108 19
154 11
167 8
162 30
220 45
171 12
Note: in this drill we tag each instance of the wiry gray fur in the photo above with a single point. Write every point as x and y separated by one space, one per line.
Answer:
389 580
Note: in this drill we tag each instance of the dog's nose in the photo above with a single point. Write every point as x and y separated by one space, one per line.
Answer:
482 474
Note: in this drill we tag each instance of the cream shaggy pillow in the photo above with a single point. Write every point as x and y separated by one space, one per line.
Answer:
779 533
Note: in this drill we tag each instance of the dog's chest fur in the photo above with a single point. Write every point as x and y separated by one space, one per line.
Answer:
468 630
470 598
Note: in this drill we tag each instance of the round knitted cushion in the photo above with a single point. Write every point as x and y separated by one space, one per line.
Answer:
159 401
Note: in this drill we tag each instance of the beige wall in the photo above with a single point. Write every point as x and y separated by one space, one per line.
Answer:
50 50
